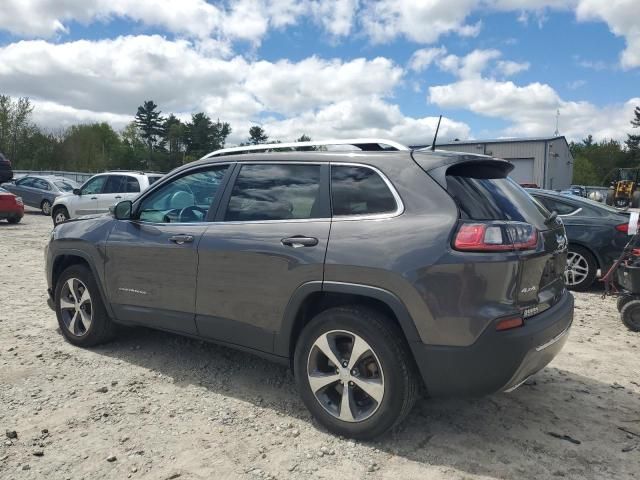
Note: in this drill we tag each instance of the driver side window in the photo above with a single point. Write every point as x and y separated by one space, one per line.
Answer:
185 199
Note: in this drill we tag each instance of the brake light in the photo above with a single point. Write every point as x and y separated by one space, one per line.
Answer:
495 237
509 323
623 227
19 201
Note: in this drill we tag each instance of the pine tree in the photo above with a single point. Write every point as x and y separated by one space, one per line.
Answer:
150 123
633 141
257 135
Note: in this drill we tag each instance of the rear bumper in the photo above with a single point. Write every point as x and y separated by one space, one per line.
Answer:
497 361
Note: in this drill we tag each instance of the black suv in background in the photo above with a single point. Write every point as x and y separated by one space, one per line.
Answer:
374 273
6 172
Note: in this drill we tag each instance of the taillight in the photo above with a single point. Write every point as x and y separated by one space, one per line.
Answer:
495 237
623 227
19 201
509 323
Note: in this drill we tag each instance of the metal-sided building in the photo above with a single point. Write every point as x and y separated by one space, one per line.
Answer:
546 162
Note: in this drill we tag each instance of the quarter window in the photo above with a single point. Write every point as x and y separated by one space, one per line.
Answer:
359 191
186 199
275 192
133 185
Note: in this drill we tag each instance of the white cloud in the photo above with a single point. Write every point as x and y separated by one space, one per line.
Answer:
622 18
423 58
106 80
509 68
375 118
336 16
532 108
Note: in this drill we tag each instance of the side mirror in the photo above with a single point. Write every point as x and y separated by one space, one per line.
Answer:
77 191
122 211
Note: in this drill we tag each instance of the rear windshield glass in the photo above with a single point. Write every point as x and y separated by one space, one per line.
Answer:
485 193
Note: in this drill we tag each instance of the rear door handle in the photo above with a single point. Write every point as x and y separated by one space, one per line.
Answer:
181 239
93 198
299 241
118 197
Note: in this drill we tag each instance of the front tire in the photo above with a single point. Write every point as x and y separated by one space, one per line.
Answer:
581 269
82 317
60 215
630 315
45 206
354 372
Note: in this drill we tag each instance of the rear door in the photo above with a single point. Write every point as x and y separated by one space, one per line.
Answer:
132 187
112 193
486 194
269 238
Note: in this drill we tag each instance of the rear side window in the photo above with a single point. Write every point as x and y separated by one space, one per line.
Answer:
115 184
484 192
133 185
275 192
359 191
560 208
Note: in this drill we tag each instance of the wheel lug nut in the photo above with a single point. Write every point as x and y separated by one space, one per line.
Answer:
344 364
351 384
354 372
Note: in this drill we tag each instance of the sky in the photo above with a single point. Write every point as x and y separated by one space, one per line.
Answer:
331 69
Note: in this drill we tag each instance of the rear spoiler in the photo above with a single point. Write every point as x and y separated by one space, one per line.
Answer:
439 164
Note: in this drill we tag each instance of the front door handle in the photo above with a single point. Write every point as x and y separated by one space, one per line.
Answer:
93 198
118 197
181 239
299 241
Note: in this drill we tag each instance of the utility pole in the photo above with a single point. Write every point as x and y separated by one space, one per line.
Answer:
557 132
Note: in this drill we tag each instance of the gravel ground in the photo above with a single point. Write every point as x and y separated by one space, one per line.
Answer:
157 406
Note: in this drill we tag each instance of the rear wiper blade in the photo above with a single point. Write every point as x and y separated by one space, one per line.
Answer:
551 218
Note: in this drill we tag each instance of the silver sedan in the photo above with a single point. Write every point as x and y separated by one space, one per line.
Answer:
40 191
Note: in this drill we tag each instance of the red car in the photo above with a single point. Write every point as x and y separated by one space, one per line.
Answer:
11 207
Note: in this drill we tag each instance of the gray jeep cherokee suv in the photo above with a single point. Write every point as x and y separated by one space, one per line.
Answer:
374 273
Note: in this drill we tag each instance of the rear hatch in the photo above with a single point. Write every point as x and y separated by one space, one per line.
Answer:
496 214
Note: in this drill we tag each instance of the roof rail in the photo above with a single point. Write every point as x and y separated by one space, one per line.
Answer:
365 144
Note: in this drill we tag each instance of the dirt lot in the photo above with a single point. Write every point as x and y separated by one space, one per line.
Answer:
158 406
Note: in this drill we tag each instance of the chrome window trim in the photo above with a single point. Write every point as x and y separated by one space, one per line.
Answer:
575 212
339 218
374 216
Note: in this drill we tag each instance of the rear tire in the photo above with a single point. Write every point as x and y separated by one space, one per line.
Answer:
581 269
82 316
45 206
630 315
623 300
384 368
14 220
60 215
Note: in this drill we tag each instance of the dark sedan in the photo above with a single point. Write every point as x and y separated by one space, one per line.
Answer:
6 172
597 233
40 191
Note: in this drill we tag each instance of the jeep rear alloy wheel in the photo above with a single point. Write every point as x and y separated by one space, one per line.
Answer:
345 376
355 372
75 307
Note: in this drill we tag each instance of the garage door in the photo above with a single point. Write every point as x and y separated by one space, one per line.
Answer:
523 170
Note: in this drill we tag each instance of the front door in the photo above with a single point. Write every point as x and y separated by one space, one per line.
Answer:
152 261
271 238
87 202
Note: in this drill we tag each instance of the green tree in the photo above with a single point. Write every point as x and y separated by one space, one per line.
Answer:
174 136
150 123
15 127
584 172
257 135
90 148
633 141
203 136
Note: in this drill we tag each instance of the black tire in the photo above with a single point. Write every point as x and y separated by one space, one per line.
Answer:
45 207
101 328
592 266
623 300
609 197
630 315
400 379
14 220
58 214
